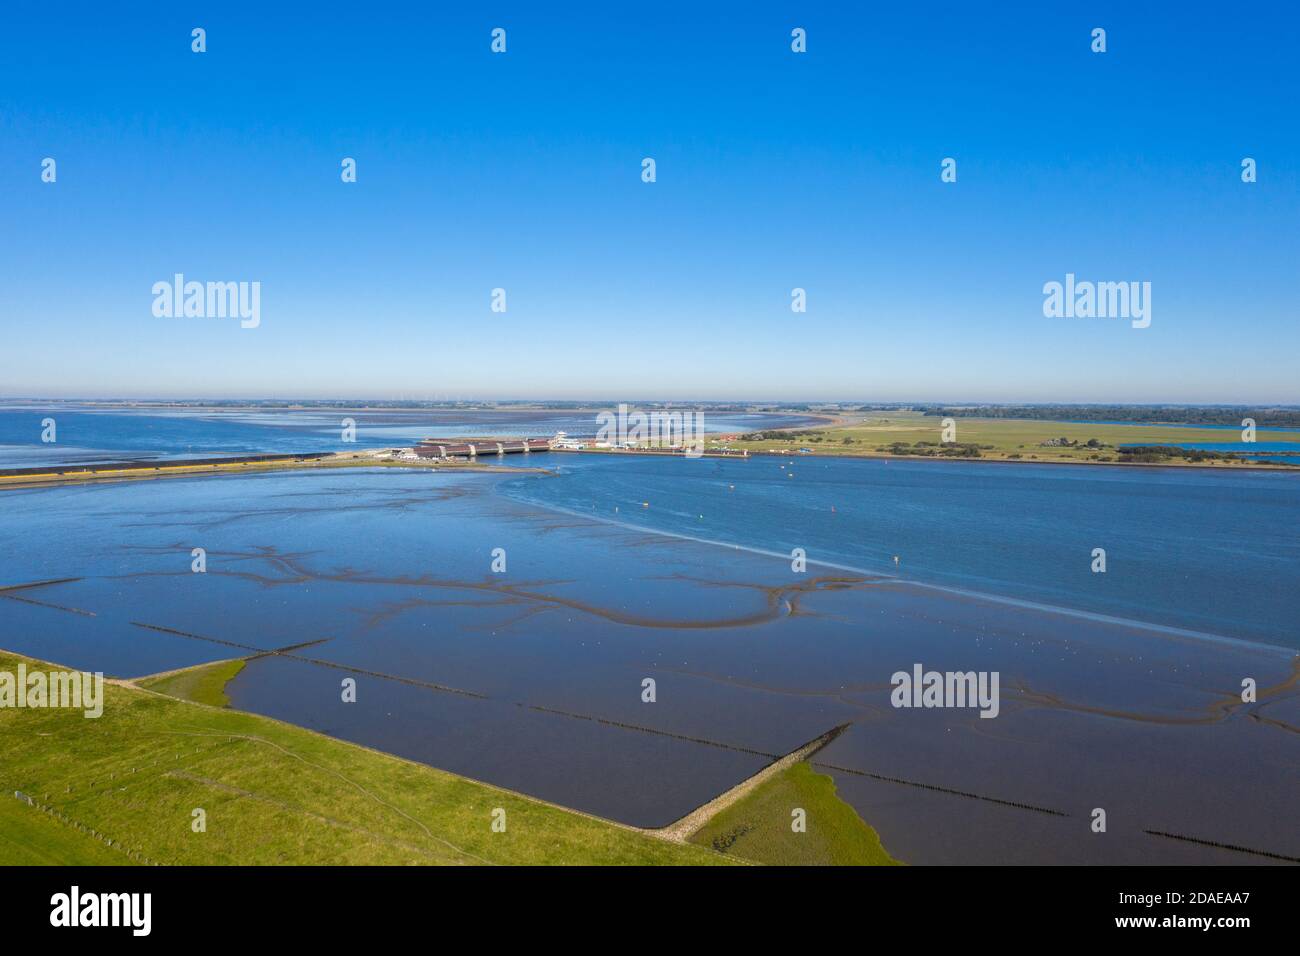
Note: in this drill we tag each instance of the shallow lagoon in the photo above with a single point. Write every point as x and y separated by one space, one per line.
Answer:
531 679
87 433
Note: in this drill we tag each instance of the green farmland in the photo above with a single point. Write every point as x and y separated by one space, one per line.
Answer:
878 434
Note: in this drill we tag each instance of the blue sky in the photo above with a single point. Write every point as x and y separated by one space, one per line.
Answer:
775 170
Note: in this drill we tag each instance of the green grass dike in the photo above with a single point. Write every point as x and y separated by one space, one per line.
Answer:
205 684
125 788
759 827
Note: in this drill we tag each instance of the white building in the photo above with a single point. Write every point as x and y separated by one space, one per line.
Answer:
562 440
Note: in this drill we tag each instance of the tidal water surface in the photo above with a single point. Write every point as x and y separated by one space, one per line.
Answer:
1195 549
532 678
87 433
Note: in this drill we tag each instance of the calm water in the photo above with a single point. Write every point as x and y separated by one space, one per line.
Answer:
531 679
87 435
1200 550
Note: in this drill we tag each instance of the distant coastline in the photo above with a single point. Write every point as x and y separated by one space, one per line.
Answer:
104 439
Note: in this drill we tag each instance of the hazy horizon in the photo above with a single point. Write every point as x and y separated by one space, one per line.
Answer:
604 400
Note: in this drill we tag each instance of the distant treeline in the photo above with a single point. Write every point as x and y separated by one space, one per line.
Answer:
781 435
1172 414
930 449
1158 453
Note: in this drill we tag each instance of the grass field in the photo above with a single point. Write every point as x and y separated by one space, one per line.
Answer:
205 684
271 793
30 837
1005 438
758 827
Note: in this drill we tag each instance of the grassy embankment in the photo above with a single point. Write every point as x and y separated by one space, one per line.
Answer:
123 789
205 684
758 826
29 837
998 438
272 793
235 466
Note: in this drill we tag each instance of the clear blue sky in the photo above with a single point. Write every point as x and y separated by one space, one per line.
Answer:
775 170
